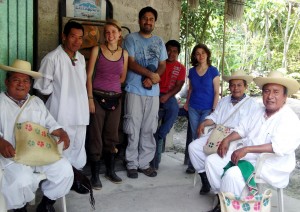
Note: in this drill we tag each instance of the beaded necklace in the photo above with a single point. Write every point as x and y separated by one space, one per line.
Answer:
112 51
72 58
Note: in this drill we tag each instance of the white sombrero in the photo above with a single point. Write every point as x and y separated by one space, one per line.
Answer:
22 67
241 75
277 77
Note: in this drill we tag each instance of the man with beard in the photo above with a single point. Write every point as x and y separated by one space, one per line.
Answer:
146 62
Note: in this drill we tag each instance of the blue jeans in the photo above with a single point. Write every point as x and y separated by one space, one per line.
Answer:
195 118
168 116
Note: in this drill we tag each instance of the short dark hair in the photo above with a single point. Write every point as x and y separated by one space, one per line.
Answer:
194 61
70 25
244 81
147 9
173 43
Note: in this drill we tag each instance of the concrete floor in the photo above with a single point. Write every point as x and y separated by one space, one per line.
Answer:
172 190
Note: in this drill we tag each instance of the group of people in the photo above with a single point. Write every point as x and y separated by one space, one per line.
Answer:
254 129
86 101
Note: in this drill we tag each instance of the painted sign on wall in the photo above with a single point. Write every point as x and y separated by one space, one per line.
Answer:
87 9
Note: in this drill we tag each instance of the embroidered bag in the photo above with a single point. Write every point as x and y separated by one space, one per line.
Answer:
257 203
218 134
34 145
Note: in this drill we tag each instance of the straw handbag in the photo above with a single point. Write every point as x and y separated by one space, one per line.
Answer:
34 145
258 203
218 134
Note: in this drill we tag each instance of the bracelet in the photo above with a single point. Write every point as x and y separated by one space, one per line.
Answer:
91 97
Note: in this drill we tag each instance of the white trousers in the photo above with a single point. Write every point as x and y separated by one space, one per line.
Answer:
197 156
19 184
232 181
76 153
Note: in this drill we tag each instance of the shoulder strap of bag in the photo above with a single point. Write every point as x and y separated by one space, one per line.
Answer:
23 106
235 110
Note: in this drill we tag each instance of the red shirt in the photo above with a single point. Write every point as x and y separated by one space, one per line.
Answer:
175 71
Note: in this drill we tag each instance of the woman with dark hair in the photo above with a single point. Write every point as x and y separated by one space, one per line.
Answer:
203 93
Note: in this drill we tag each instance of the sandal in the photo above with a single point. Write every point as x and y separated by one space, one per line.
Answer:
150 172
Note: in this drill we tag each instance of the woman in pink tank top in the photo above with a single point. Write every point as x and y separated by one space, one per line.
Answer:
106 71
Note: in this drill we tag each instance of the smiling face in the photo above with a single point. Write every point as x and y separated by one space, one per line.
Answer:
274 97
147 23
237 88
201 56
18 85
73 41
112 34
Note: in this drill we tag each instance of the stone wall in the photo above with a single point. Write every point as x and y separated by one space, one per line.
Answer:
125 11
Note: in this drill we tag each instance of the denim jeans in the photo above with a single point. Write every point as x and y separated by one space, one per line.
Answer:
195 118
168 116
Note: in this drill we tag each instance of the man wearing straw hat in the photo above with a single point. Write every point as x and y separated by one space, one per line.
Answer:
229 111
19 183
273 128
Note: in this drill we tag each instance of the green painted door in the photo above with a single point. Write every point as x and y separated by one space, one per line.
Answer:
16 33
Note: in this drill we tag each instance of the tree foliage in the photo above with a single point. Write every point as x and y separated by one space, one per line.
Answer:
265 38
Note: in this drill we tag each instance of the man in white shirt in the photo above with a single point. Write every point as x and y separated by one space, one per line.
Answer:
64 81
19 183
272 128
229 111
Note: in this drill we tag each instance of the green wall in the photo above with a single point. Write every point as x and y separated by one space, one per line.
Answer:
16 30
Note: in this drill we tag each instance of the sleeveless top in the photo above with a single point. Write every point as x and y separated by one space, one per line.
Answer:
107 73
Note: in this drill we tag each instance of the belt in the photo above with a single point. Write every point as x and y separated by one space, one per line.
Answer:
107 93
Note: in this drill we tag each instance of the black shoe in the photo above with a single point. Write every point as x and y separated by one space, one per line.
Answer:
23 209
132 173
190 170
150 172
46 205
79 181
110 174
95 180
96 183
216 209
205 188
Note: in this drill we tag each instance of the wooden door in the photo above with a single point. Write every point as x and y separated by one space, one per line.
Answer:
16 33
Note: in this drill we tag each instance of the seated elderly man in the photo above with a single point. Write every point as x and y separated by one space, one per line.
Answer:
273 128
19 183
230 109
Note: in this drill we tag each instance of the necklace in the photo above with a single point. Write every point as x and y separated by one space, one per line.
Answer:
72 58
112 51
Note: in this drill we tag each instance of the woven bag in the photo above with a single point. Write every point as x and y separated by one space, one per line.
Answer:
258 203
34 145
217 135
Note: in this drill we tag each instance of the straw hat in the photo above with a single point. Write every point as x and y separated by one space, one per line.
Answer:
241 75
22 67
277 77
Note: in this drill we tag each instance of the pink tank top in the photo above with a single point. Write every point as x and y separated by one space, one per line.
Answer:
107 74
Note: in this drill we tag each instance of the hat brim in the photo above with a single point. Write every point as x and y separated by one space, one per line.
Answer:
33 74
248 79
291 84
